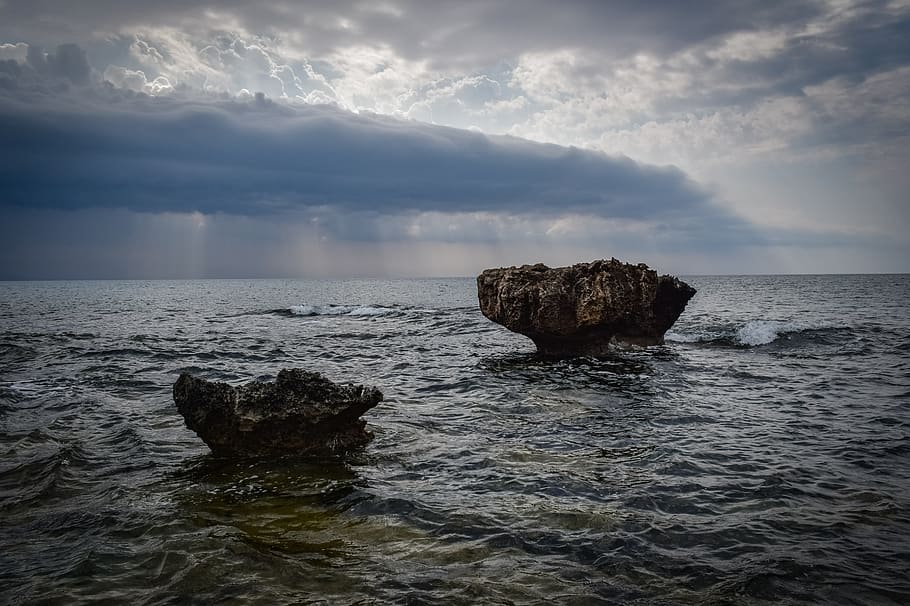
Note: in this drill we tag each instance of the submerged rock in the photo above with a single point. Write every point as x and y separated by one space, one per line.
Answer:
301 413
582 309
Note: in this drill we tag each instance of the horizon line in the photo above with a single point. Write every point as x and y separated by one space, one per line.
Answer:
393 277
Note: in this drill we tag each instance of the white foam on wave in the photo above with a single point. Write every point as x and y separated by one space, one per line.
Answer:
339 310
679 337
762 332
753 333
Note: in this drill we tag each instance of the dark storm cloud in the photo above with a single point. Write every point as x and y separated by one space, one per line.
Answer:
102 147
46 73
478 32
67 62
872 40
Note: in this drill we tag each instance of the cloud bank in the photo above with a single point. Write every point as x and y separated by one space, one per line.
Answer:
254 157
111 148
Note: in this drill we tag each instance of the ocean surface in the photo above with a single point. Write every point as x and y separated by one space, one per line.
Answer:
760 456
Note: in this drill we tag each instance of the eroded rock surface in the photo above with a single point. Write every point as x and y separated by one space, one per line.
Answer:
582 309
300 413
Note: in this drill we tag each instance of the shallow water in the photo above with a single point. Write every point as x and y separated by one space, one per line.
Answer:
761 456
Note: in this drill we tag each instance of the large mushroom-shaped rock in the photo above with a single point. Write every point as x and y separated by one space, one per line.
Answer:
580 310
301 413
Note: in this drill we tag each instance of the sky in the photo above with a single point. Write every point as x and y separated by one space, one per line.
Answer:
192 139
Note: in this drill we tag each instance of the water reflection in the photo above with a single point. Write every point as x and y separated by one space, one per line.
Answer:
289 505
618 371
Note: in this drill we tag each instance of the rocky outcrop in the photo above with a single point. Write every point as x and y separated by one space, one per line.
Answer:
582 309
301 413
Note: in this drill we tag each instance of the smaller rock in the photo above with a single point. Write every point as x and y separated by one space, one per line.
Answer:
300 413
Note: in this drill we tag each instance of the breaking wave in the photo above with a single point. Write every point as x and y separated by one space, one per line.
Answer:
340 310
762 332
753 333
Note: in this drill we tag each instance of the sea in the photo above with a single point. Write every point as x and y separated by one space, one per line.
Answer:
760 456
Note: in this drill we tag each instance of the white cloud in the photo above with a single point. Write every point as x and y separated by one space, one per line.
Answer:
375 79
171 53
135 80
500 106
16 52
750 46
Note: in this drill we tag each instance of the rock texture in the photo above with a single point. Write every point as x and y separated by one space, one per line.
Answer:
301 413
582 309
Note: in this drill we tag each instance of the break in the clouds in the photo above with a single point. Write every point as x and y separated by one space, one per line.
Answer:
395 137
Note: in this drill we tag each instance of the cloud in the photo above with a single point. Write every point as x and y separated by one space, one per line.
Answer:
793 112
113 243
30 69
107 147
136 81
469 33
68 62
586 70
15 52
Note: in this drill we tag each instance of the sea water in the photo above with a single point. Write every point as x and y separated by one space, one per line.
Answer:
760 456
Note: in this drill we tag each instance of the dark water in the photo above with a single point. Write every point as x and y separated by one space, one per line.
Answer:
761 456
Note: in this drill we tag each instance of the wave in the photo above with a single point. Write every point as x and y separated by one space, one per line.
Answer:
340 310
350 310
753 333
763 332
